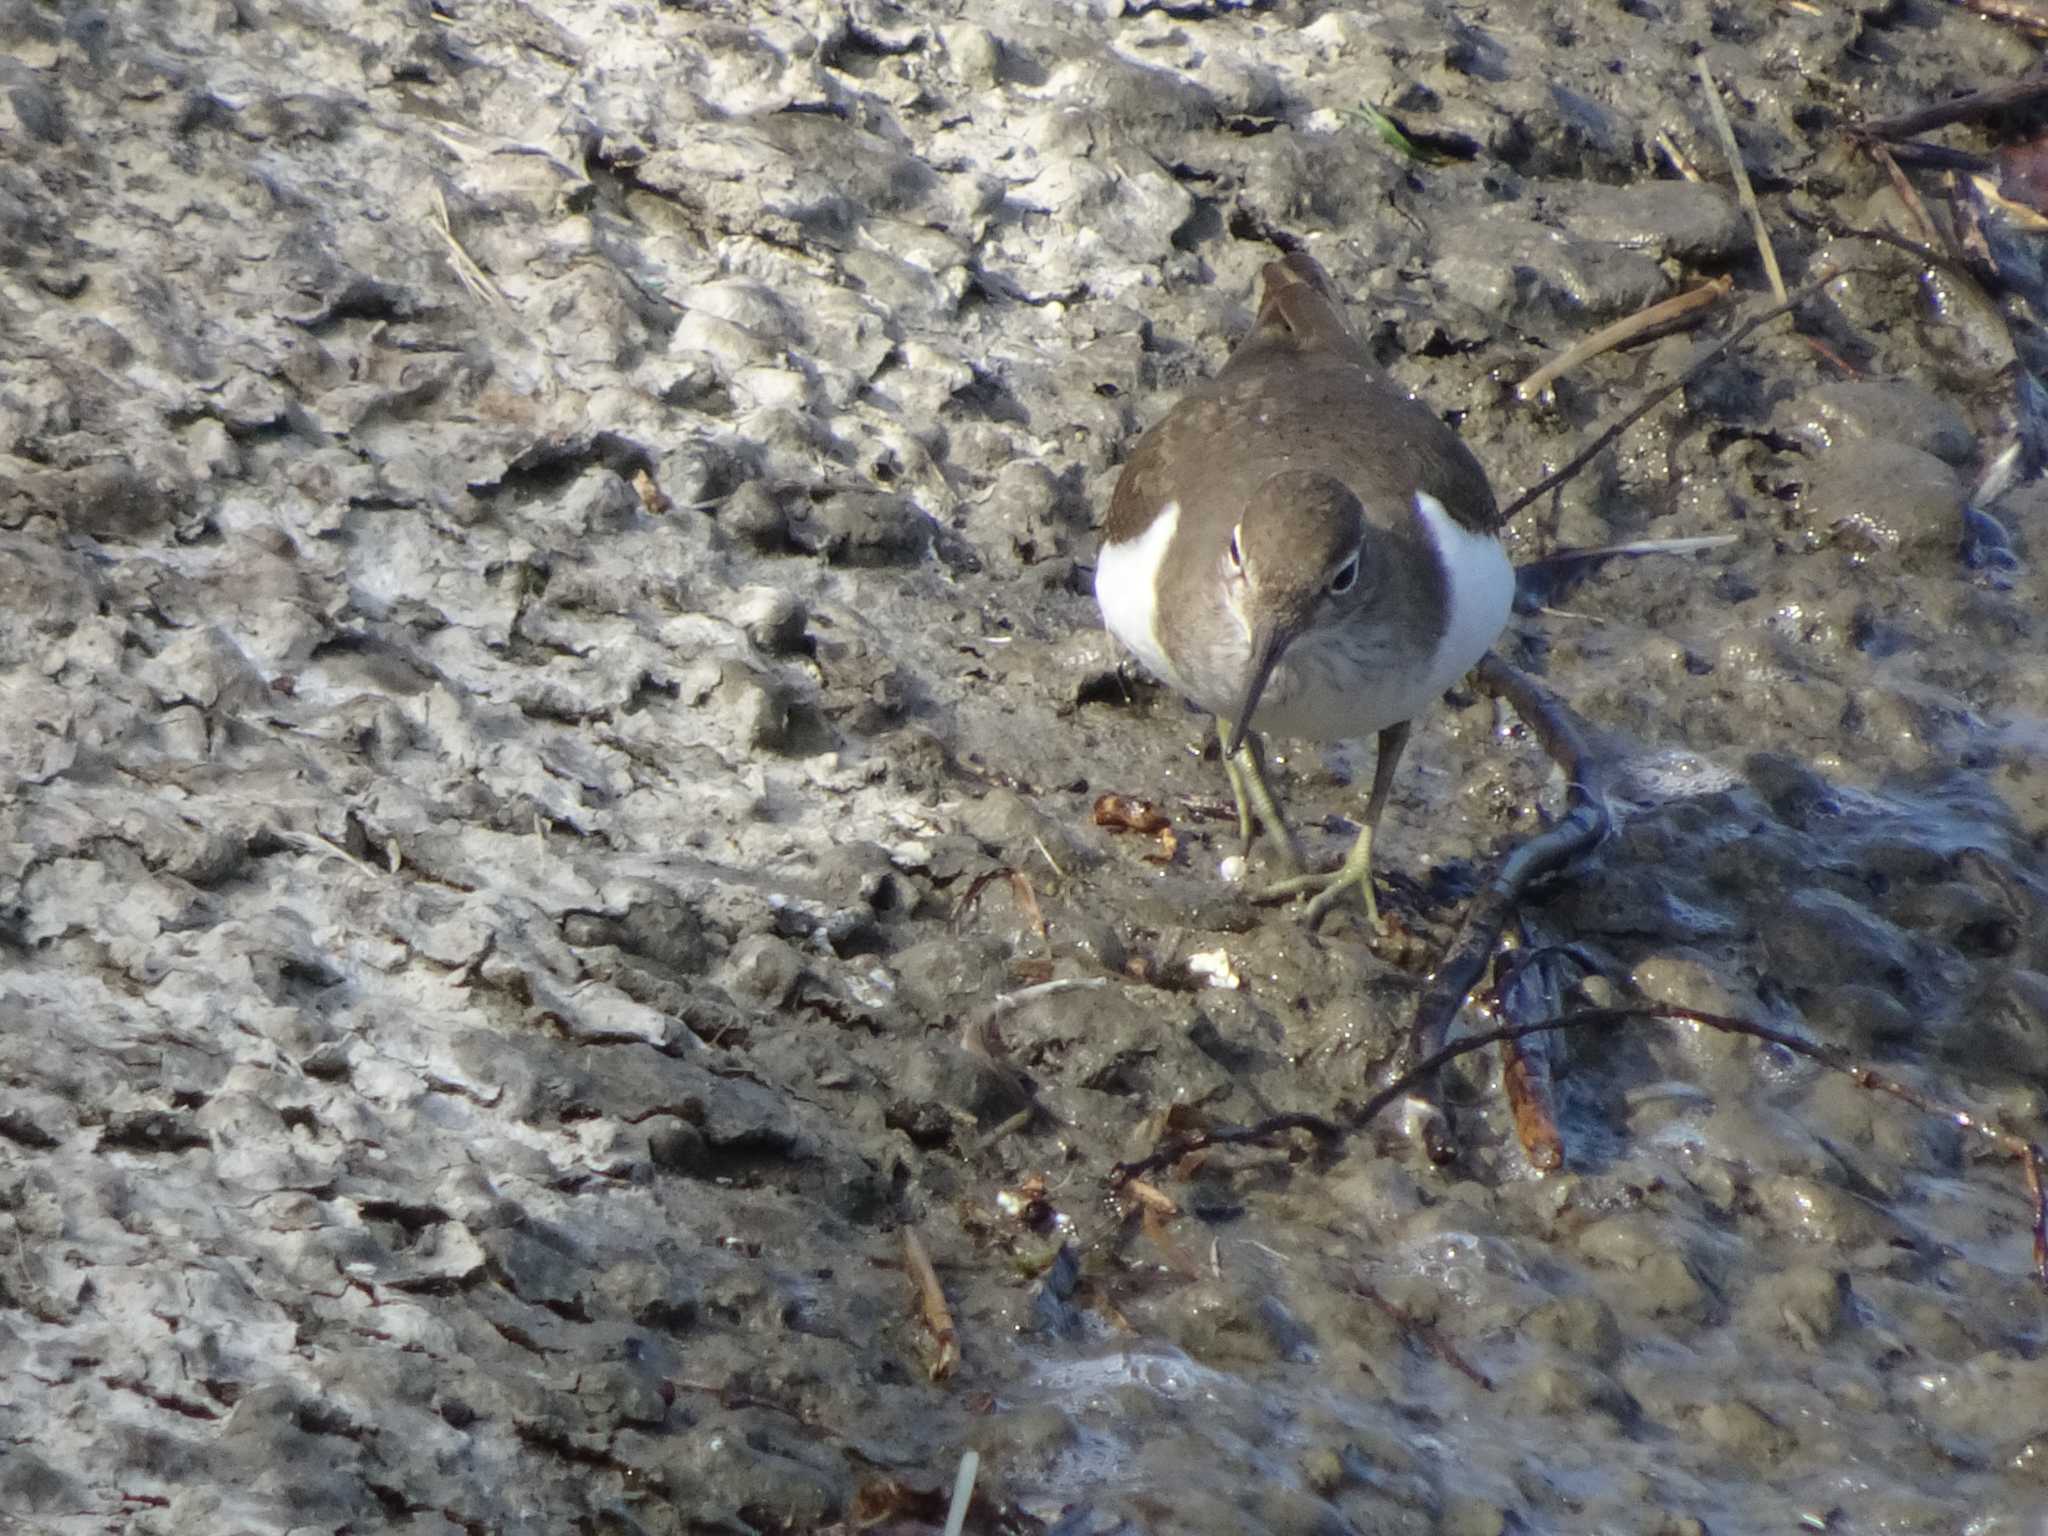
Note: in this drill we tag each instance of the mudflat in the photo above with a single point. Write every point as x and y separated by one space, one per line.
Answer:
553 717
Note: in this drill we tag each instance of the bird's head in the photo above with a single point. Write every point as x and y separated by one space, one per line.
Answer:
1300 558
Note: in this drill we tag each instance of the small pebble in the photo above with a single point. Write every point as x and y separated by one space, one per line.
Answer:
1232 869
1213 966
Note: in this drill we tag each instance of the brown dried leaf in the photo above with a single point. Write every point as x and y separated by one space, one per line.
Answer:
2023 174
1027 902
930 1305
890 1498
1525 1077
652 496
1031 970
1127 813
1151 1196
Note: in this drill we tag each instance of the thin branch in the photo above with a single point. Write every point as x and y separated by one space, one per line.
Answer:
1656 397
1719 112
1583 826
1925 254
1832 1057
1939 157
1260 1134
1431 1335
1909 195
2028 18
1623 331
1961 109
2022 15
1676 156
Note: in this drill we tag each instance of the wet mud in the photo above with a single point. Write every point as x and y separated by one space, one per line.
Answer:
554 726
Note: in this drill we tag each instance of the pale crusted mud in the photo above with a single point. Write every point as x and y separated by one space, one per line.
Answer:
550 704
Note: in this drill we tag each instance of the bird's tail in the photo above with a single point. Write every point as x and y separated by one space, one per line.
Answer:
1299 302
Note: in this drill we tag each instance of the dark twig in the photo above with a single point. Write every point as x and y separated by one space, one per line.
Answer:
1656 397
1961 109
1832 358
2027 1153
1262 1133
1829 1056
1834 1058
1431 1335
1939 157
2030 19
1583 825
1925 254
1909 196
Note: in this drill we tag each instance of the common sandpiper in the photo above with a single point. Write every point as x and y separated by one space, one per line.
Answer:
1301 547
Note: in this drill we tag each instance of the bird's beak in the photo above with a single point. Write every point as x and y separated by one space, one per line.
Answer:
1269 639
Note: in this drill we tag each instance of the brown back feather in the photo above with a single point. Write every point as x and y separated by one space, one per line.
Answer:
1302 355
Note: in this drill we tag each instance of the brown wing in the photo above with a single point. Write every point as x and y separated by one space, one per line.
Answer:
1300 391
1157 469
1342 410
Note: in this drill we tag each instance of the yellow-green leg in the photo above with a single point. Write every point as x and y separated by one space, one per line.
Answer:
1355 873
1256 805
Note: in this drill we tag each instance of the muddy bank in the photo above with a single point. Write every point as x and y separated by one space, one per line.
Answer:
543 560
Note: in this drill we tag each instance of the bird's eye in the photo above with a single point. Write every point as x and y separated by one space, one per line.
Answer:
1345 577
1236 551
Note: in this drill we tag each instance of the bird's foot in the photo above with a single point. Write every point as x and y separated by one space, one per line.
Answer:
1354 874
1257 807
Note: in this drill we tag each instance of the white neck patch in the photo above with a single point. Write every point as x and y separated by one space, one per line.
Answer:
1479 585
1127 589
